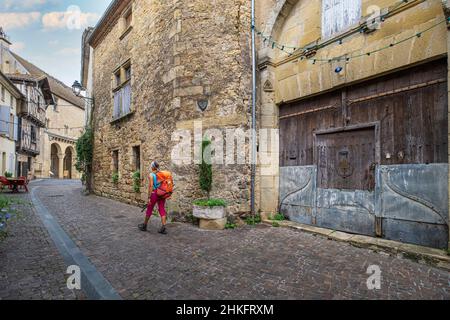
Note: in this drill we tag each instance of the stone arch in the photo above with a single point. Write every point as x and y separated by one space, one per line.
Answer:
55 160
68 165
277 17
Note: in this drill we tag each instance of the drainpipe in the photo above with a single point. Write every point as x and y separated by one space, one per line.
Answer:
446 8
253 142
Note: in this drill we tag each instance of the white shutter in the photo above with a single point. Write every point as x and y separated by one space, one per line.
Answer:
338 15
327 18
4 120
16 128
11 163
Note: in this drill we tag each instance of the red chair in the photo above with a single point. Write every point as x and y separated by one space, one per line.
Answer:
6 183
24 184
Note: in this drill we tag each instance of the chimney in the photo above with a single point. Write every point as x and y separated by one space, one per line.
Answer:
4 39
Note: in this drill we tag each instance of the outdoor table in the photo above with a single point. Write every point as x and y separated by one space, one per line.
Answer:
16 182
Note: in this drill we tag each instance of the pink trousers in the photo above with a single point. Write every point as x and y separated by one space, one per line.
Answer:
154 199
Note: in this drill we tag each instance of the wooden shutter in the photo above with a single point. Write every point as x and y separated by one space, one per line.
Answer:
117 104
126 99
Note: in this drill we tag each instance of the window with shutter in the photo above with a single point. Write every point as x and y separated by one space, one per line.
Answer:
4 120
338 15
122 91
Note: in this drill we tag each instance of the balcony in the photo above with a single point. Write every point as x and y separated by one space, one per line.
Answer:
33 112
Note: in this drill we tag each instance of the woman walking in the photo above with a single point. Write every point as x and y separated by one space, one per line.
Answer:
159 192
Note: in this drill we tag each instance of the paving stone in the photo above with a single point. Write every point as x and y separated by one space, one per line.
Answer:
189 263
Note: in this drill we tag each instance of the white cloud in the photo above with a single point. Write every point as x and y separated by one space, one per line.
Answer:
17 46
69 52
14 20
73 18
22 4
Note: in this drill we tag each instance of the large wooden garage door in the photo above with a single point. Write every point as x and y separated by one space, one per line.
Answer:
371 158
410 107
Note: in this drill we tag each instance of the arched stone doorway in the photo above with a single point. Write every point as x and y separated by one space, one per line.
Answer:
68 163
55 163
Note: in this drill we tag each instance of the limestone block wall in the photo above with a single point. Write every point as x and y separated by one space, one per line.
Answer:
181 52
297 78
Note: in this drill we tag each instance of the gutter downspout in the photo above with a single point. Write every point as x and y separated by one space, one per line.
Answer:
254 150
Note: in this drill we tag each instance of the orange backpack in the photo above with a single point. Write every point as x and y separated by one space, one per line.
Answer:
165 184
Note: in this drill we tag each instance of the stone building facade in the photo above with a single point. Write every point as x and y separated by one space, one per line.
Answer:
50 120
170 59
10 99
355 103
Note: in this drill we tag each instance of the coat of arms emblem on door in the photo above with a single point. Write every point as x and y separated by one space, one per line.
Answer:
344 168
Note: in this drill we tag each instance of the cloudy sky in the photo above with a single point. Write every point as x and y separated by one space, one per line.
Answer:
48 32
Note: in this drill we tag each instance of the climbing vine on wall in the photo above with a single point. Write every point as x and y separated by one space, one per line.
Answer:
85 151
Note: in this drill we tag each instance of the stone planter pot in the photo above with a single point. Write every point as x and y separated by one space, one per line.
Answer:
211 218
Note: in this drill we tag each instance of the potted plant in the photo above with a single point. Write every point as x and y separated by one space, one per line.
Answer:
211 212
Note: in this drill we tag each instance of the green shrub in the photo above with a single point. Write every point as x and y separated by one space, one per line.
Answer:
137 181
115 177
275 224
230 226
278 217
205 169
210 203
253 220
8 211
8 174
85 151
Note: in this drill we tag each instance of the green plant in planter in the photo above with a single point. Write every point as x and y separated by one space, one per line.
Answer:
115 177
137 181
205 170
8 174
206 180
210 203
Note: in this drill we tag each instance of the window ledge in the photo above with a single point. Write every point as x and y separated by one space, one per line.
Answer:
122 117
126 32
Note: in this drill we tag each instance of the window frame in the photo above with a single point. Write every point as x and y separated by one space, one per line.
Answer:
115 161
119 90
136 158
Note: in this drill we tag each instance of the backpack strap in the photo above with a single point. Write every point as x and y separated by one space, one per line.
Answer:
155 181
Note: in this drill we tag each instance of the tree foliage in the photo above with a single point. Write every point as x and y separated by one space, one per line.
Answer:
85 151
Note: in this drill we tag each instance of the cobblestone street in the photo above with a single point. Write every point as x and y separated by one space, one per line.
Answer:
248 263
